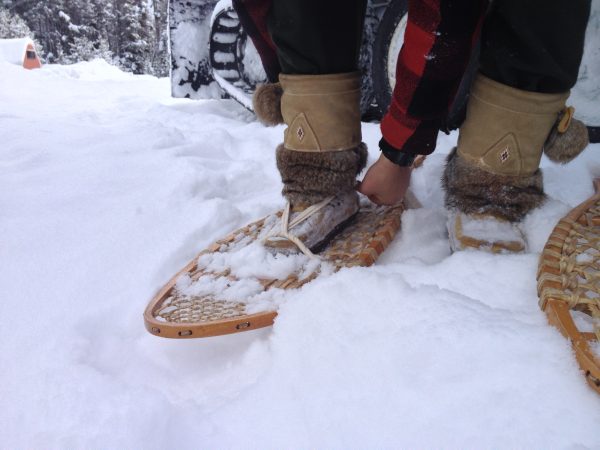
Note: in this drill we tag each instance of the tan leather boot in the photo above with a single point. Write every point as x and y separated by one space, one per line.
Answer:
493 177
322 112
321 155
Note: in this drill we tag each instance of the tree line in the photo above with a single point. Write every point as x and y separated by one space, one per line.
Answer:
129 33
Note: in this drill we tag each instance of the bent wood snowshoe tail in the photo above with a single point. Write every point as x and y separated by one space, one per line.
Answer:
569 283
173 313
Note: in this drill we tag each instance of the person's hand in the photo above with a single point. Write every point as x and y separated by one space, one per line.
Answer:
385 183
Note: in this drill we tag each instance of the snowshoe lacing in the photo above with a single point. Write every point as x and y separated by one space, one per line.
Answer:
286 225
570 266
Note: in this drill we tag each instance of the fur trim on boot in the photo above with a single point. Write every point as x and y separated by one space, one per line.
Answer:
310 177
472 190
568 138
266 102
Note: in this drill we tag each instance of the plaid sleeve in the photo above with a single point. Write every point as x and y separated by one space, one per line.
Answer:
439 38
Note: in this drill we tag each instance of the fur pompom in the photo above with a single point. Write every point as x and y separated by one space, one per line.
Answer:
266 102
564 147
309 177
472 190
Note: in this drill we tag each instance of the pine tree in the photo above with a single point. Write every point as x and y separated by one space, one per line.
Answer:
12 25
160 57
134 31
45 20
86 39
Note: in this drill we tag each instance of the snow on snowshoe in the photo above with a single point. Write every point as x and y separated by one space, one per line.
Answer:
232 286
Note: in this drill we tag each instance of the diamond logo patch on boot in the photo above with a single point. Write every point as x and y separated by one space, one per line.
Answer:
504 157
300 136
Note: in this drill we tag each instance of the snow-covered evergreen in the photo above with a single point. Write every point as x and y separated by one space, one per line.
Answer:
131 33
12 26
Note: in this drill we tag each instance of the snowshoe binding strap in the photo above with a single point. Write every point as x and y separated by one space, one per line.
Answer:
286 224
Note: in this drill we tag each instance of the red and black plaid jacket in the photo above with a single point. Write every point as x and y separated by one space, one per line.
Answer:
439 38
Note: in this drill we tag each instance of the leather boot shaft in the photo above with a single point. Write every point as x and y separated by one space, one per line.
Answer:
322 112
505 128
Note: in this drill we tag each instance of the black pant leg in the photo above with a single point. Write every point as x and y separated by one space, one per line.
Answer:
534 45
315 37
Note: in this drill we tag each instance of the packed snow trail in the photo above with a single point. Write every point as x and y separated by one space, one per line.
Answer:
108 186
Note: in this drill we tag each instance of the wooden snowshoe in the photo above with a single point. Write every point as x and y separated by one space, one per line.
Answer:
569 283
173 314
463 234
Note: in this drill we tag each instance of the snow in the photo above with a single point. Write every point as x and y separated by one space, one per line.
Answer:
225 38
253 67
586 93
187 35
108 186
255 260
63 15
485 229
248 262
233 90
223 57
189 42
220 6
13 50
583 321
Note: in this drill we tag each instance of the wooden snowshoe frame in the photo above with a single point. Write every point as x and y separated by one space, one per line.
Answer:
173 315
569 280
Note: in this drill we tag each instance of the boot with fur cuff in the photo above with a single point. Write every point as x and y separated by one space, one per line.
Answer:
492 180
310 178
485 208
319 228
505 128
322 112
320 157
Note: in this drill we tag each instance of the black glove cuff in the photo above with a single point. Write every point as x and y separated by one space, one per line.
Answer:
396 156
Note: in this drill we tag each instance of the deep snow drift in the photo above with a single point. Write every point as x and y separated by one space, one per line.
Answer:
108 186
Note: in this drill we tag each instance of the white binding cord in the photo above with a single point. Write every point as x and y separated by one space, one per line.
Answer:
284 232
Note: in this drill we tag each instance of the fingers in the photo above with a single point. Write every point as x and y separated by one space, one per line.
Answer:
380 201
385 183
384 197
377 199
371 190
373 197
363 187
